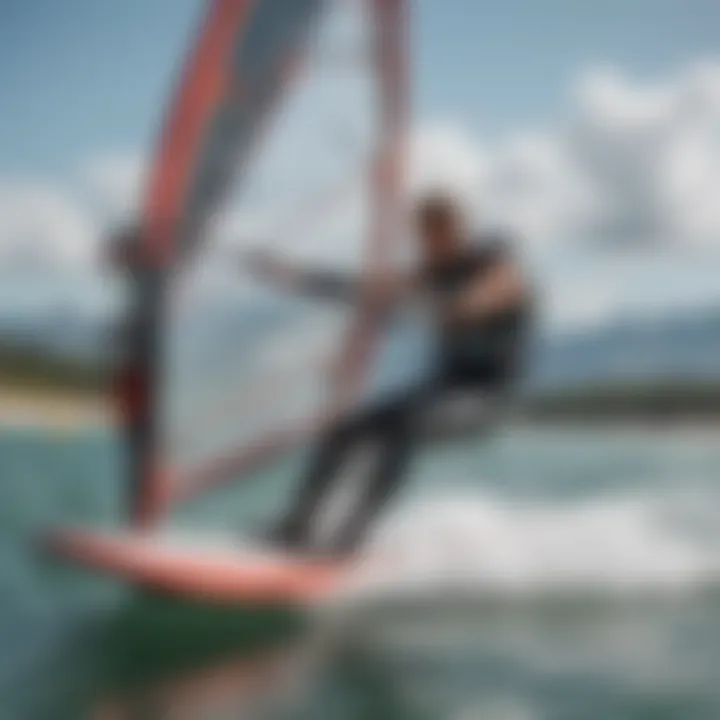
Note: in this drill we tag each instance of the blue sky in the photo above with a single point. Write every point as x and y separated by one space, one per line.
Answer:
80 76
500 63
504 82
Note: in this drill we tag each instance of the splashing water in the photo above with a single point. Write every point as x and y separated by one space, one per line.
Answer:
482 544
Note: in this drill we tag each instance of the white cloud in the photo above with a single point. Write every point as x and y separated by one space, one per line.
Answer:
598 288
59 227
42 226
446 156
537 188
632 163
113 183
651 155
576 306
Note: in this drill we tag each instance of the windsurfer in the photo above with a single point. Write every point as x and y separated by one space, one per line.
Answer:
480 299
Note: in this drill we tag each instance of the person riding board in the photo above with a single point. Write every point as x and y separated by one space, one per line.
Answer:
481 304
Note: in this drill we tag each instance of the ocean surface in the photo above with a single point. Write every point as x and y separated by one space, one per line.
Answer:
539 575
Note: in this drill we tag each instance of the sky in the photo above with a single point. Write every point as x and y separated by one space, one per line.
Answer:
591 130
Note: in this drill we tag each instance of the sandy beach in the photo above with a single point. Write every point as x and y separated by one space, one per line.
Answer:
42 408
53 409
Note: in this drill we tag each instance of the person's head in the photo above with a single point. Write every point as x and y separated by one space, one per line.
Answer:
440 227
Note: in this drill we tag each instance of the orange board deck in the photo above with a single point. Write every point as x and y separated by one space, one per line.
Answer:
202 570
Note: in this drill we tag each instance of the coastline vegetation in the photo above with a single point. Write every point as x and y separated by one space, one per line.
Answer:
29 372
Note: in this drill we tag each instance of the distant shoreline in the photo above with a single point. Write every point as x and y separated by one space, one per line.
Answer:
630 428
56 409
67 409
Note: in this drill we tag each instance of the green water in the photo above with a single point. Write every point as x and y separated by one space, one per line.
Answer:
632 515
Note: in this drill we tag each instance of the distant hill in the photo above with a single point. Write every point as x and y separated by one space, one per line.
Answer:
23 366
670 348
631 364
655 400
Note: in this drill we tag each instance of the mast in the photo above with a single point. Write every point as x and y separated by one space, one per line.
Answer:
161 231
390 61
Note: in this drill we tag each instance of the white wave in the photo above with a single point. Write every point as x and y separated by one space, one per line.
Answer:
620 545
499 708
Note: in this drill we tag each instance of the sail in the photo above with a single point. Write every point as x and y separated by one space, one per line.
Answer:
285 135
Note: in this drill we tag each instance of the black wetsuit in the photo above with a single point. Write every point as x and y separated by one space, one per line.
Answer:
482 357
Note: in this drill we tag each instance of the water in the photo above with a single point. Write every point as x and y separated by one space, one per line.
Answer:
542 575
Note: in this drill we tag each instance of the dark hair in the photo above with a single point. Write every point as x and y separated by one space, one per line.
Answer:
437 205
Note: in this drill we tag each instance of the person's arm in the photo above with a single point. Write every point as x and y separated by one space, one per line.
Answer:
324 284
494 291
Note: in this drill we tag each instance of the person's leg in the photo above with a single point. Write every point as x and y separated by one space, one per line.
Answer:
323 470
403 428
323 466
394 439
